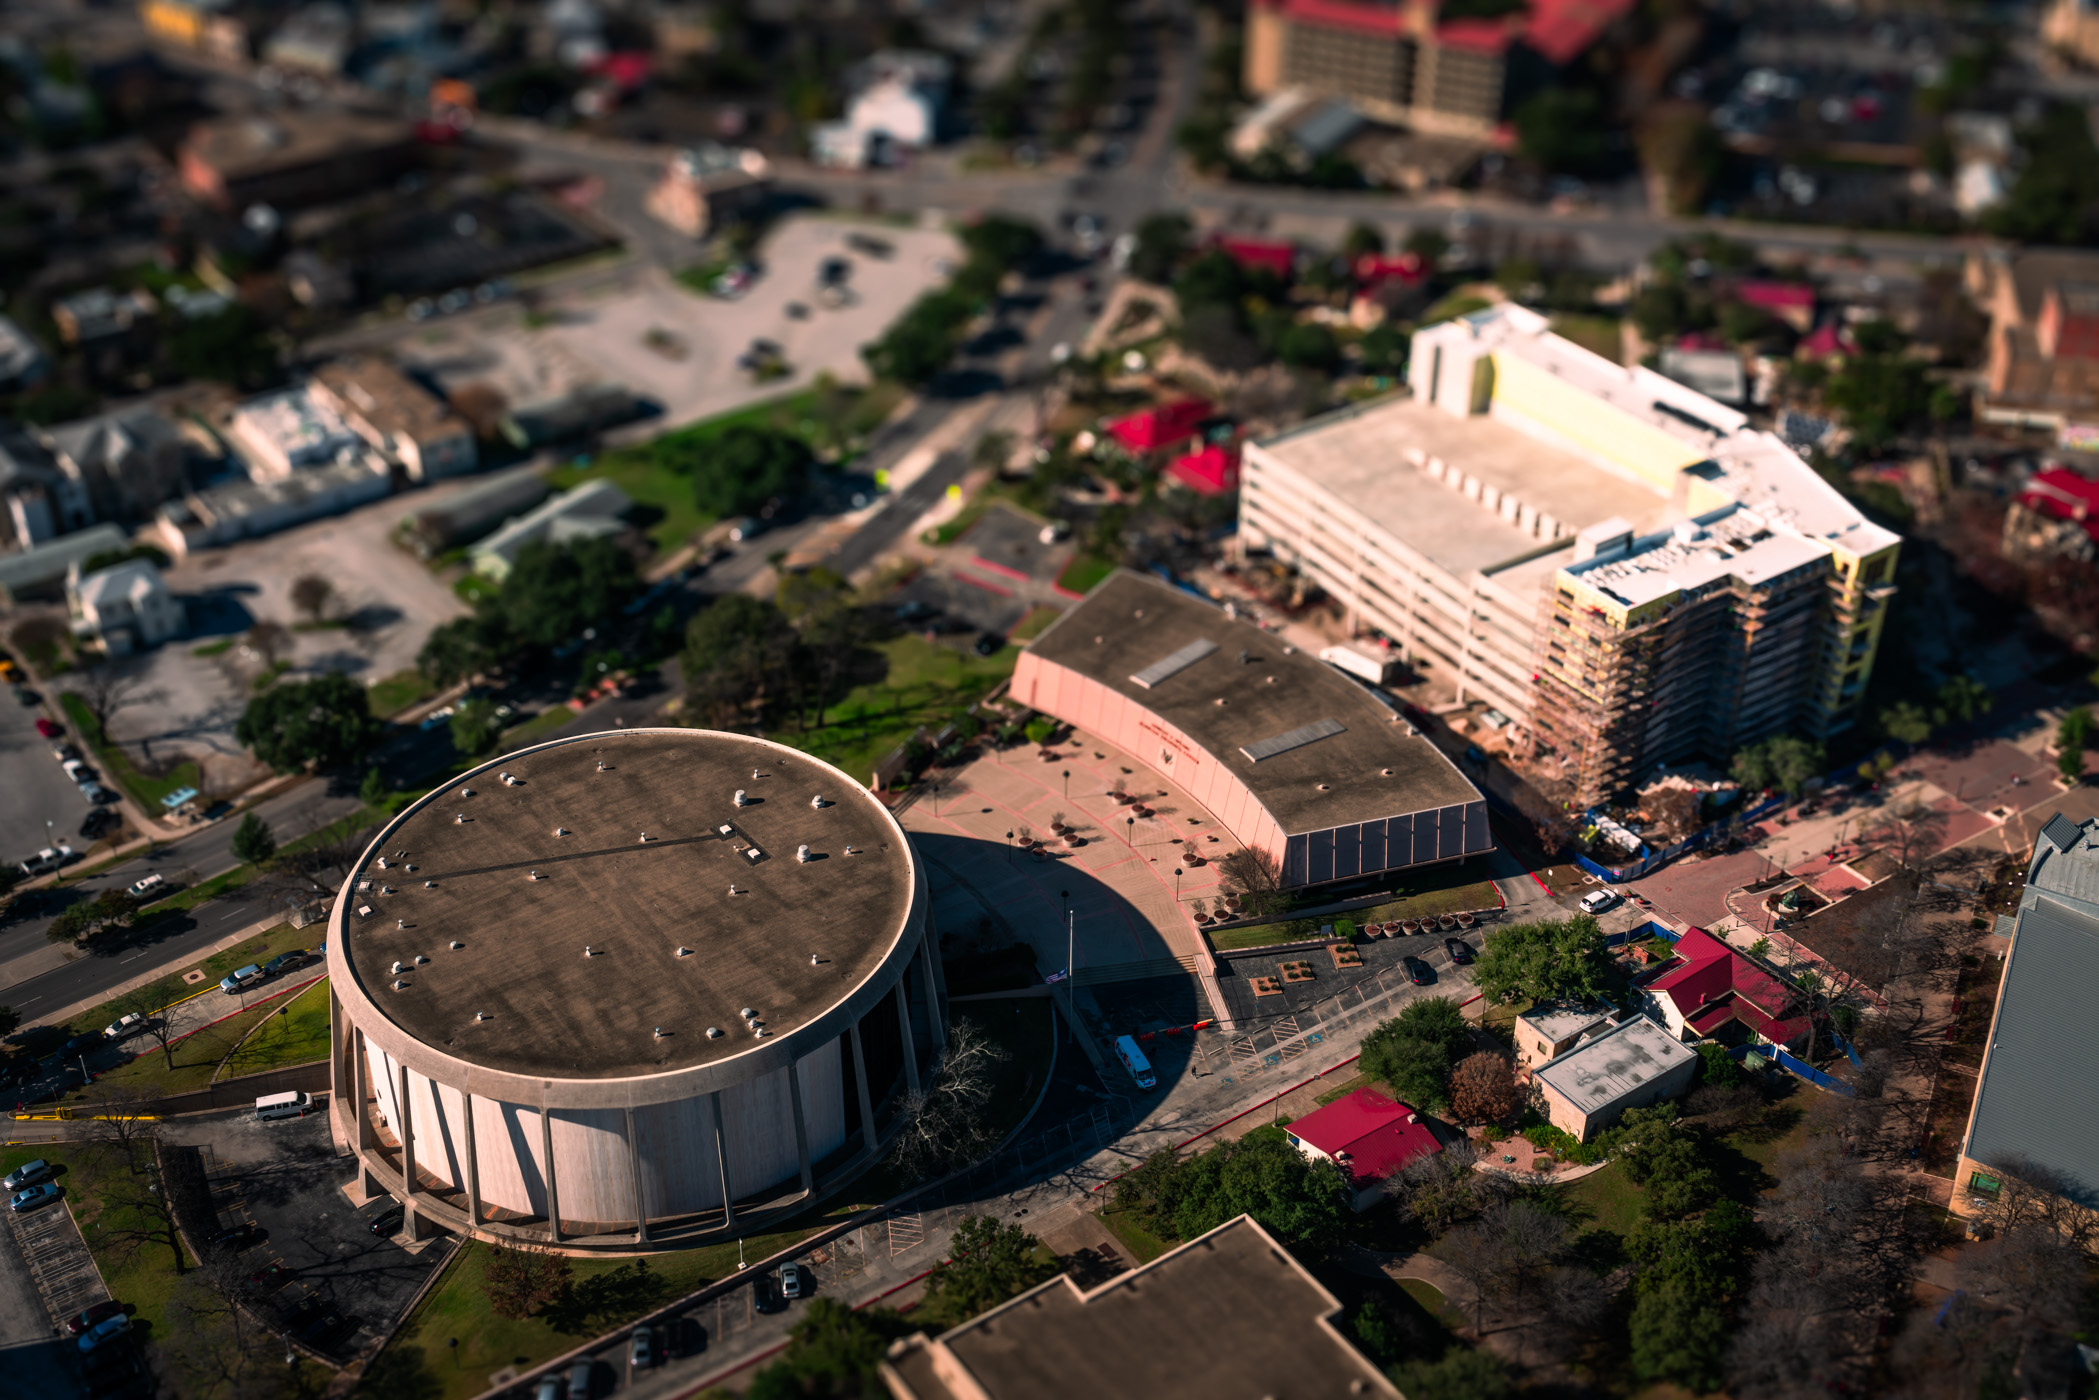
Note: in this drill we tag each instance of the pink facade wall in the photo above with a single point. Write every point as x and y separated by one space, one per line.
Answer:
1093 707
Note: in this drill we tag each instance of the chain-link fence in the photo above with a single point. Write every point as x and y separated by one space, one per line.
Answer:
1237 1056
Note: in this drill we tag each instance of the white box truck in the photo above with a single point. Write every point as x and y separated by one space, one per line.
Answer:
1361 664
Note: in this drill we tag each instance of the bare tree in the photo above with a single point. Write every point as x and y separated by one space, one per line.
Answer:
105 690
1255 877
1483 1089
311 594
943 1126
1913 831
138 1212
269 641
148 1004
522 1278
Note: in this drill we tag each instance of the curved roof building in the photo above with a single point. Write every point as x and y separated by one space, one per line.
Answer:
1293 757
628 989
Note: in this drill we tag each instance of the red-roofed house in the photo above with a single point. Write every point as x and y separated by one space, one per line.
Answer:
1716 984
1375 269
1259 255
1791 302
1401 61
1162 425
1210 471
1830 341
1370 1135
2056 515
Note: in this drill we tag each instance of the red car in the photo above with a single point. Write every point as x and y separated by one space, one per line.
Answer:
270 1275
99 1313
48 728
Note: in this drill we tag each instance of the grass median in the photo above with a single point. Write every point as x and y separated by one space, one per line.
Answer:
171 987
925 684
288 1028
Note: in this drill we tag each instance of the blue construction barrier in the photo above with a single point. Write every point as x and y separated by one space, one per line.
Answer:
1850 1050
1653 928
1803 1070
1649 860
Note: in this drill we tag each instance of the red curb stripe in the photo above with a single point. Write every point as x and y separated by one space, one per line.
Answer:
985 584
1007 569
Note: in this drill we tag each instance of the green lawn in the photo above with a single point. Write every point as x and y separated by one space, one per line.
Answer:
1083 572
171 988
1143 1245
200 1056
146 789
141 1275
926 684
1598 334
1451 307
1035 623
1343 1089
397 692
1607 1199
1432 1302
540 726
217 648
636 471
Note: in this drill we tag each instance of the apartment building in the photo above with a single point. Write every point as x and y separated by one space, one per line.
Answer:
1618 564
1406 61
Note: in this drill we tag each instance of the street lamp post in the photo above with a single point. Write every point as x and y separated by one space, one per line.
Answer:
1067 785
1129 832
1177 884
936 799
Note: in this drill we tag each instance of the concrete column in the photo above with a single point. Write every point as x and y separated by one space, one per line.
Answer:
641 1204
936 1019
405 1130
801 1125
867 1103
546 1148
903 1026
721 1160
473 1166
361 1085
340 1071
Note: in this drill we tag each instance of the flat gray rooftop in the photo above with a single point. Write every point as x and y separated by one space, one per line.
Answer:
1229 1314
1372 767
556 1013
1597 1073
1359 456
1557 1020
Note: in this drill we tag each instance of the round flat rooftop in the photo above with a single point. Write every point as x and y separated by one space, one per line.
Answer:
525 876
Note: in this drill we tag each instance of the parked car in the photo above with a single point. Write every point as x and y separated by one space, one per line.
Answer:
322 1329
97 821
387 1221
143 887
25 697
125 1026
271 1275
97 795
641 1349
82 1043
106 1330
1419 972
582 1381
872 246
94 1316
1597 901
748 528
284 962
29 1174
48 859
77 770
1460 951
988 644
34 1197
64 753
237 1238
240 979
792 1281
551 1387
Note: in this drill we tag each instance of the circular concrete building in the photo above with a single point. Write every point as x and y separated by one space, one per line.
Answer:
629 990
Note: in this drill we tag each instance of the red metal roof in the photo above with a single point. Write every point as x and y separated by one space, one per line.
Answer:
1828 339
1213 471
1558 29
1375 269
1775 296
1379 1134
1162 425
1561 29
1255 254
1717 983
1383 21
2061 494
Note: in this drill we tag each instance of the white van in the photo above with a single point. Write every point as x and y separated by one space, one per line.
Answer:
1133 1060
289 1104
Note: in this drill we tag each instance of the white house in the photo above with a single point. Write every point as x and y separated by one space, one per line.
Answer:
125 607
897 99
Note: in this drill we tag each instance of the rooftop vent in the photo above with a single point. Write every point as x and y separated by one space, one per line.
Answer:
661 1032
589 951
1172 664
457 945
1384 772
466 792
725 829
400 923
814 960
714 1032
399 985
801 854
1218 702
733 890
429 884
459 819
1292 739
382 862
818 802
741 797
753 854
420 959
852 850
534 875
683 951
747 1013
480 1015
645 838
1098 639
398 966
561 831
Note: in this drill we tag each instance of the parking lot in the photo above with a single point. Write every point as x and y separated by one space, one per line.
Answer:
384 605
38 791
678 347
285 1178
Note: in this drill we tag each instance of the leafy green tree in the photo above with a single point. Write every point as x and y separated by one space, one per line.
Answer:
373 790
10 1020
82 923
919 343
1039 730
1660 312
475 727
1550 960
1906 722
739 654
1881 395
1428 244
253 841
1676 1178
1302 1201
1715 1065
833 1353
2072 737
743 468
1001 242
1214 279
1361 240
2052 200
988 1262
1563 129
1783 762
1309 345
232 347
325 722
1461 1373
1383 350
554 591
1413 1053
1679 1336
466 647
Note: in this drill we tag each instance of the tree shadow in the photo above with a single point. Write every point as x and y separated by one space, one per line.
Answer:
604 1300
